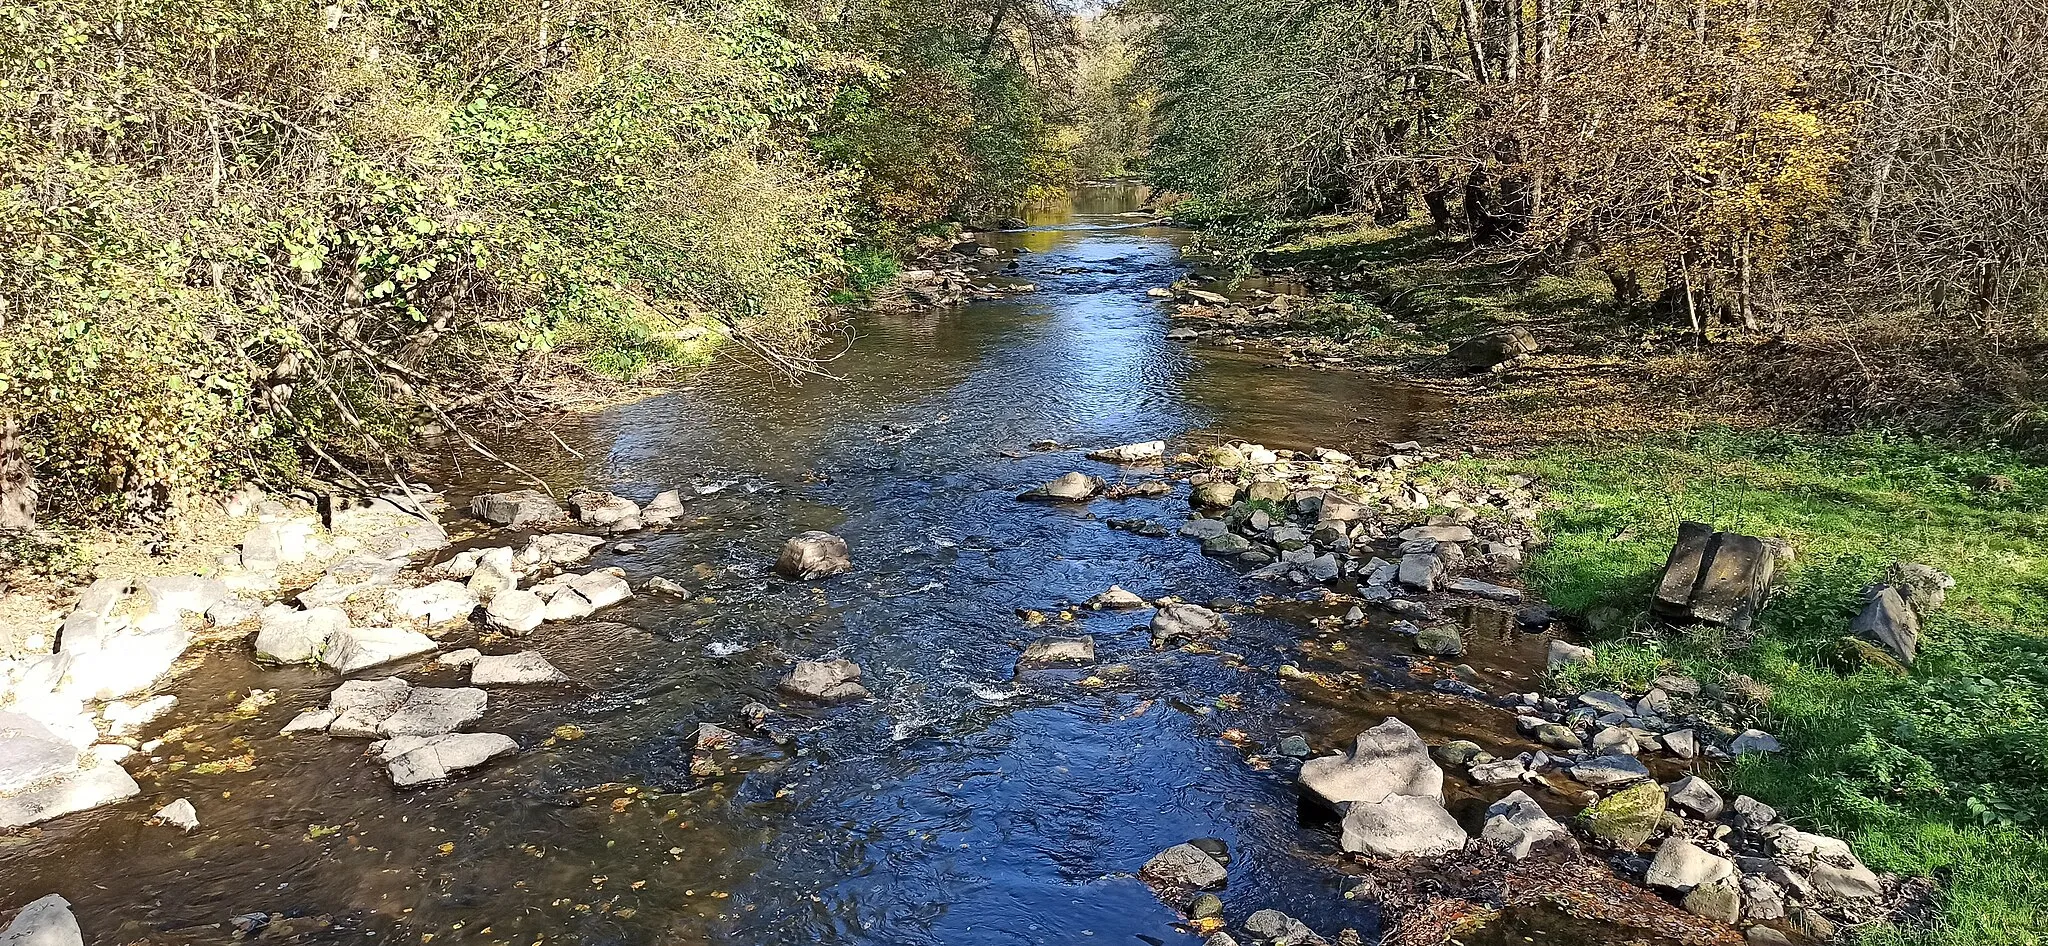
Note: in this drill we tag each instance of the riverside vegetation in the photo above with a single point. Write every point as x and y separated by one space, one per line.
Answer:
244 234
1777 268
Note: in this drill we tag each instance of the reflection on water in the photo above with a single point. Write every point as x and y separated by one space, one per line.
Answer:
959 808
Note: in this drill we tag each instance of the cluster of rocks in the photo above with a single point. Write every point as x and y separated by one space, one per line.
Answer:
1322 516
1182 875
71 713
68 716
953 275
416 727
1736 863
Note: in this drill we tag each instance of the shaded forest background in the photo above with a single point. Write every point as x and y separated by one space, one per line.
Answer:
241 236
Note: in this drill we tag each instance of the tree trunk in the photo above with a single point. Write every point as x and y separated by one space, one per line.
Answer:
1475 40
17 481
995 29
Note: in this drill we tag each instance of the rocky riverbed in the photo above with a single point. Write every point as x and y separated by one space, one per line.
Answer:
1003 638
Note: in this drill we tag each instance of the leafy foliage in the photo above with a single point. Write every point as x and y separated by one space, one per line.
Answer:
231 230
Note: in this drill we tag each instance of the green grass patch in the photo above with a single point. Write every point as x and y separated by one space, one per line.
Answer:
864 269
1942 772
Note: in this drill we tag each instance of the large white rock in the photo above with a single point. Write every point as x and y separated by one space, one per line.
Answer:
358 648
126 662
559 548
30 753
602 588
91 619
607 511
291 636
432 711
1400 826
664 508
44 922
179 595
1388 759
435 603
359 707
492 574
516 611
415 760
89 787
1131 452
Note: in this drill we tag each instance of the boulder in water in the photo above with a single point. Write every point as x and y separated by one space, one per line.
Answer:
1069 488
1183 868
1177 621
523 668
826 681
517 509
813 555
423 760
1055 650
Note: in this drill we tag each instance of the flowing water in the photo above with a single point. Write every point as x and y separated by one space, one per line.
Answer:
958 808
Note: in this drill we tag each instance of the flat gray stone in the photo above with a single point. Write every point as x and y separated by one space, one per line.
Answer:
523 668
1520 826
1175 621
31 754
516 611
1608 770
517 509
1055 650
417 760
359 648
432 711
436 603
1694 794
1683 865
1184 867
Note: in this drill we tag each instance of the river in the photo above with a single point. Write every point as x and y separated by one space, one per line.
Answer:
958 808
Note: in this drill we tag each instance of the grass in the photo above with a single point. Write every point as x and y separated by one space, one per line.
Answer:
1940 772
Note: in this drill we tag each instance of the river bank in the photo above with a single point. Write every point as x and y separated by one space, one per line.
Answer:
964 803
1635 430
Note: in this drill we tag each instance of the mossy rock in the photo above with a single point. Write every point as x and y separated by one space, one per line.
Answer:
1441 640
1625 818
